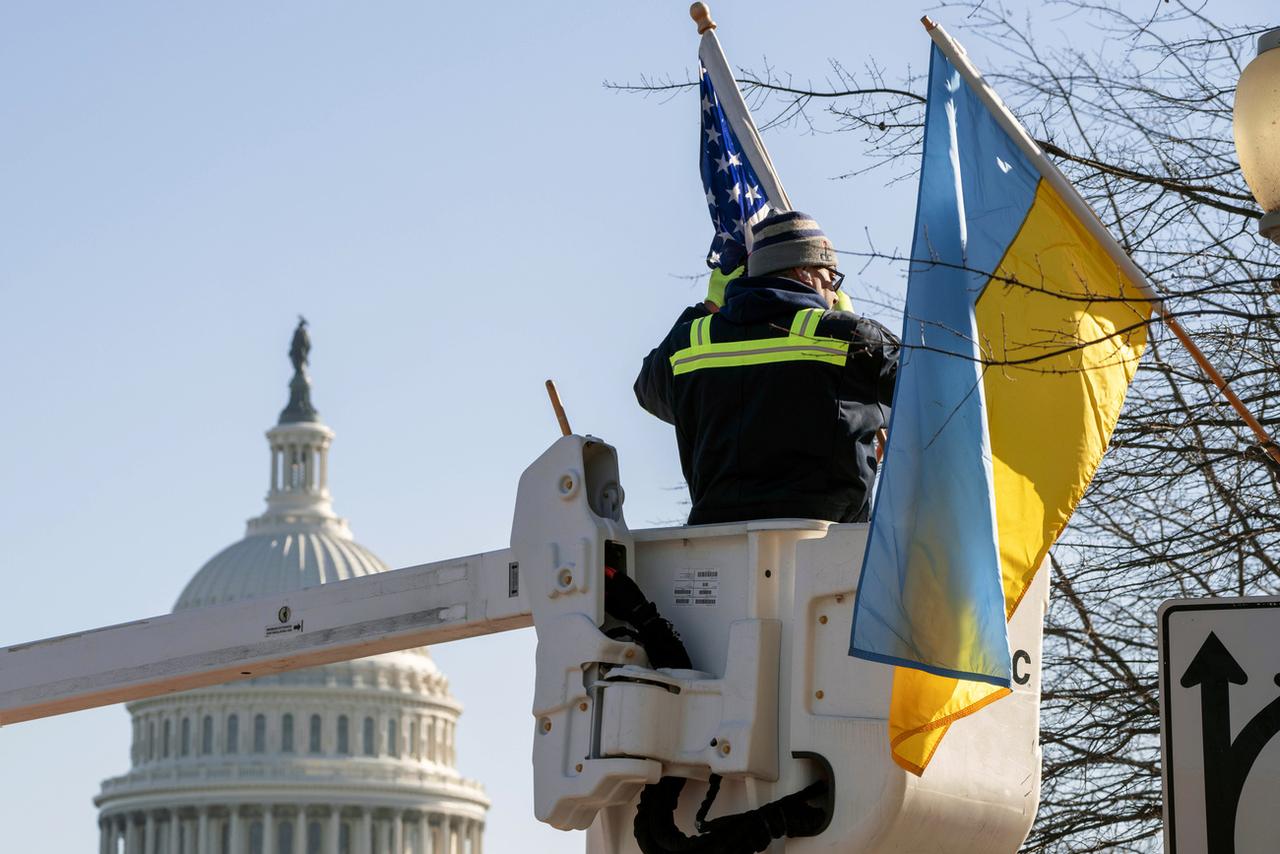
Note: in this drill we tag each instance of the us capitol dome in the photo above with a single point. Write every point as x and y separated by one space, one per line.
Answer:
349 758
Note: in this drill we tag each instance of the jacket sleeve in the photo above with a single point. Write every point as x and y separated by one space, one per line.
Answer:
653 386
889 348
873 352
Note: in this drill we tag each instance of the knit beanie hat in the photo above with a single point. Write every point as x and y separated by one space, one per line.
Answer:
784 240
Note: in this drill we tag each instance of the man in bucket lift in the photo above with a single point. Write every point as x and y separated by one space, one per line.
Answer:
777 399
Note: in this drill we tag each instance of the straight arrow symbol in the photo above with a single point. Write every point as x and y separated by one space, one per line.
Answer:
1226 763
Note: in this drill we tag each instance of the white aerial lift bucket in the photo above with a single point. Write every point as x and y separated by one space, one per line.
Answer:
764 609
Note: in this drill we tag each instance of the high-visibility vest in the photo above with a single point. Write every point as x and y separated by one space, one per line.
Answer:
801 344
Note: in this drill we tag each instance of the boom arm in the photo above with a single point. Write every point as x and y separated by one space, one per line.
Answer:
404 608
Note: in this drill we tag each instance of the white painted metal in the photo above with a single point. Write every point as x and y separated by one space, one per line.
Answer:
1246 629
981 791
606 723
394 610
569 505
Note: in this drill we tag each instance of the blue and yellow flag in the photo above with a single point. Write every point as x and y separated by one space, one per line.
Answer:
1020 338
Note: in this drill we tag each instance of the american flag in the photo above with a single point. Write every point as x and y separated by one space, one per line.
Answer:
734 194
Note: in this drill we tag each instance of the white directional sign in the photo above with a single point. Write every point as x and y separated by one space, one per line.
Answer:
1220 713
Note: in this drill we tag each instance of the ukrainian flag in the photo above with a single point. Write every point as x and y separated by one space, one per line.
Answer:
1022 332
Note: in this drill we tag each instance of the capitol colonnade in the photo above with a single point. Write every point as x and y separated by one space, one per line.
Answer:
357 757
288 829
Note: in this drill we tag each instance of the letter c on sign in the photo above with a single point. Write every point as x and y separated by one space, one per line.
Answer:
1021 678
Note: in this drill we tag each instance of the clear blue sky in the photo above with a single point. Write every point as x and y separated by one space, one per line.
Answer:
459 208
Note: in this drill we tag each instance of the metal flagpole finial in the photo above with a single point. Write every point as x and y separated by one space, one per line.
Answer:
928 22
701 15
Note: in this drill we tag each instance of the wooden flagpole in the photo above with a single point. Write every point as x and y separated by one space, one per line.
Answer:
558 408
1089 219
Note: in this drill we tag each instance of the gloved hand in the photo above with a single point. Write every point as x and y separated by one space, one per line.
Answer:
843 303
719 279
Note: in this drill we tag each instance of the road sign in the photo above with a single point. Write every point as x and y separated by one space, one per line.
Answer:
1220 713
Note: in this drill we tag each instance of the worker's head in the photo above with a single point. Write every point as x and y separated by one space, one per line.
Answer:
793 245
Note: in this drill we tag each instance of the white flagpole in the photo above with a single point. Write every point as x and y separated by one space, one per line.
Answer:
1089 219
735 108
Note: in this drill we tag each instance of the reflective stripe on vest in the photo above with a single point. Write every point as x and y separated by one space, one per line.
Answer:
799 345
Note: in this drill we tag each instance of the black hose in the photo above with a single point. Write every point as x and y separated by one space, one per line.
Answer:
745 833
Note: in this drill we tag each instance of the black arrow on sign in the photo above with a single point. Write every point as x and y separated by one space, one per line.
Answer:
1226 762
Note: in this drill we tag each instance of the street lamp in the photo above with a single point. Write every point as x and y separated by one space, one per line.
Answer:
1257 130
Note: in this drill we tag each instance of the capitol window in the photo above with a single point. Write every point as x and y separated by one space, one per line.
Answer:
206 735
164 741
344 740
393 746
233 733
368 737
151 740
186 736
259 733
313 737
286 734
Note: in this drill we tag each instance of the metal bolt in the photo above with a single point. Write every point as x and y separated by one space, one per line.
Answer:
823 619
578 768
582 707
546 725
818 694
724 748
631 653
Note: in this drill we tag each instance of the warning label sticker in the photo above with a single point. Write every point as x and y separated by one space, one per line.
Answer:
693 587
288 629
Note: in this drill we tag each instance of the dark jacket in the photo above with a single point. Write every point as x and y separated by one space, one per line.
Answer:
774 438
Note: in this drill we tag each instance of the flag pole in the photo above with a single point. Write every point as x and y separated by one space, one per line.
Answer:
735 108
1089 219
558 408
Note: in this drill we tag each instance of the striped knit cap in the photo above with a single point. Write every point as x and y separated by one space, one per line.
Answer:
784 240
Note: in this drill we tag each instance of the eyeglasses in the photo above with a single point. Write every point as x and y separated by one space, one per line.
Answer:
837 278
